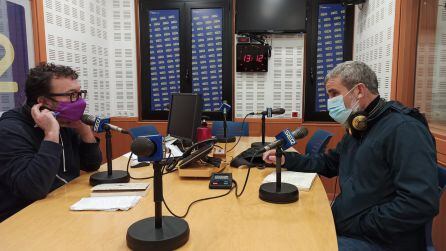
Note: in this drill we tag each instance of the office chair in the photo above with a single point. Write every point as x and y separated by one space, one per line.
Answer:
318 142
428 228
233 129
143 130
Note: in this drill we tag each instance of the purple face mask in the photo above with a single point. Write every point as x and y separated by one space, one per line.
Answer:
71 111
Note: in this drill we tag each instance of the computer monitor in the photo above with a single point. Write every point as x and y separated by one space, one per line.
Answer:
184 116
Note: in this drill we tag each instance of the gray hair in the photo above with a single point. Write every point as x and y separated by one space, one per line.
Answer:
354 72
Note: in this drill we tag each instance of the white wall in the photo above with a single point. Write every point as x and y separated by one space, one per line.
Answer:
97 38
281 86
373 39
430 85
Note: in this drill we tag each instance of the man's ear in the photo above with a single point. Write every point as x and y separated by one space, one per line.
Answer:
45 102
361 90
41 100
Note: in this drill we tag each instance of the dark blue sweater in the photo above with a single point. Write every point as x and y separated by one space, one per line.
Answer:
388 181
29 165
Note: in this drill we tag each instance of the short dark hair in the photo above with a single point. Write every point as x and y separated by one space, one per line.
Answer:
39 79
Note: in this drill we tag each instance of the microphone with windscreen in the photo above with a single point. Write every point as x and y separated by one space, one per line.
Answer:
225 108
278 192
148 148
110 176
267 113
286 139
270 112
101 124
158 232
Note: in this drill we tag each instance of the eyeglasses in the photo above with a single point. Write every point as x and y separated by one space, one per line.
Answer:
74 96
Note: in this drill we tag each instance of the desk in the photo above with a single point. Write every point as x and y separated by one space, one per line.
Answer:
227 223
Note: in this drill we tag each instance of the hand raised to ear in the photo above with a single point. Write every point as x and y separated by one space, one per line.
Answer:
47 122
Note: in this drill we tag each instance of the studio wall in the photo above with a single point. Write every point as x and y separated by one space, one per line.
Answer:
281 86
373 40
98 39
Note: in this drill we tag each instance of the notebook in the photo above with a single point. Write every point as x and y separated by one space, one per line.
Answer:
302 181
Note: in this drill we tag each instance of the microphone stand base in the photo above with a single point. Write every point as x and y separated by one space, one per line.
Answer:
288 193
117 176
226 140
142 235
257 145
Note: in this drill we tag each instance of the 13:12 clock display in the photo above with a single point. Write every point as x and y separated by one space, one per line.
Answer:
252 58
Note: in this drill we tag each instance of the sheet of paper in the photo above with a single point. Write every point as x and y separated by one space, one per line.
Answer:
112 203
176 152
169 140
302 181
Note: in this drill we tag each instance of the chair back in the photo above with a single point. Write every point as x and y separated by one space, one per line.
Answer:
441 171
318 142
233 129
143 130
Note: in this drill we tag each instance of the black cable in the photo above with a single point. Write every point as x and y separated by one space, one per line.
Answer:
172 166
241 130
196 201
148 177
247 176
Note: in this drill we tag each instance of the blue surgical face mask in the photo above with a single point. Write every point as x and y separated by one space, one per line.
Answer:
338 111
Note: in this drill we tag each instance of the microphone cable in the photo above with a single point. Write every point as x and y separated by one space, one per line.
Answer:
168 170
199 200
241 130
247 176
214 197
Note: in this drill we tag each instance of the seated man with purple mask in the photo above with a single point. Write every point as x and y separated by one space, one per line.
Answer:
44 143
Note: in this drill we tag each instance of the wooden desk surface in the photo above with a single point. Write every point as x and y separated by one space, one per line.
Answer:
228 223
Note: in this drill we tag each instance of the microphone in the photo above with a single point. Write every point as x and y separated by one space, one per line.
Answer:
100 125
286 139
225 107
269 112
158 231
142 146
148 148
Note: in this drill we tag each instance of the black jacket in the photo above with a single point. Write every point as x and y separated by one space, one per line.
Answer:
31 167
388 181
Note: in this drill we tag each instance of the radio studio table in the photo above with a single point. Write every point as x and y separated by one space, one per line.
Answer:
228 223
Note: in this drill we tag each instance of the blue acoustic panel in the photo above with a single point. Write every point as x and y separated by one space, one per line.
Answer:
330 47
164 56
207 48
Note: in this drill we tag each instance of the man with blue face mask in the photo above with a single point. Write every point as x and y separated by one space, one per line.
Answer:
386 163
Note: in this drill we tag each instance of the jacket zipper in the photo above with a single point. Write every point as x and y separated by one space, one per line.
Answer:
63 154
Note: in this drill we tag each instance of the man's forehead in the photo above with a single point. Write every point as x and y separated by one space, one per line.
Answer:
62 84
334 83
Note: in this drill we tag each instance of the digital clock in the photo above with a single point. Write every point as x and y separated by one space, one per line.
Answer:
252 58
